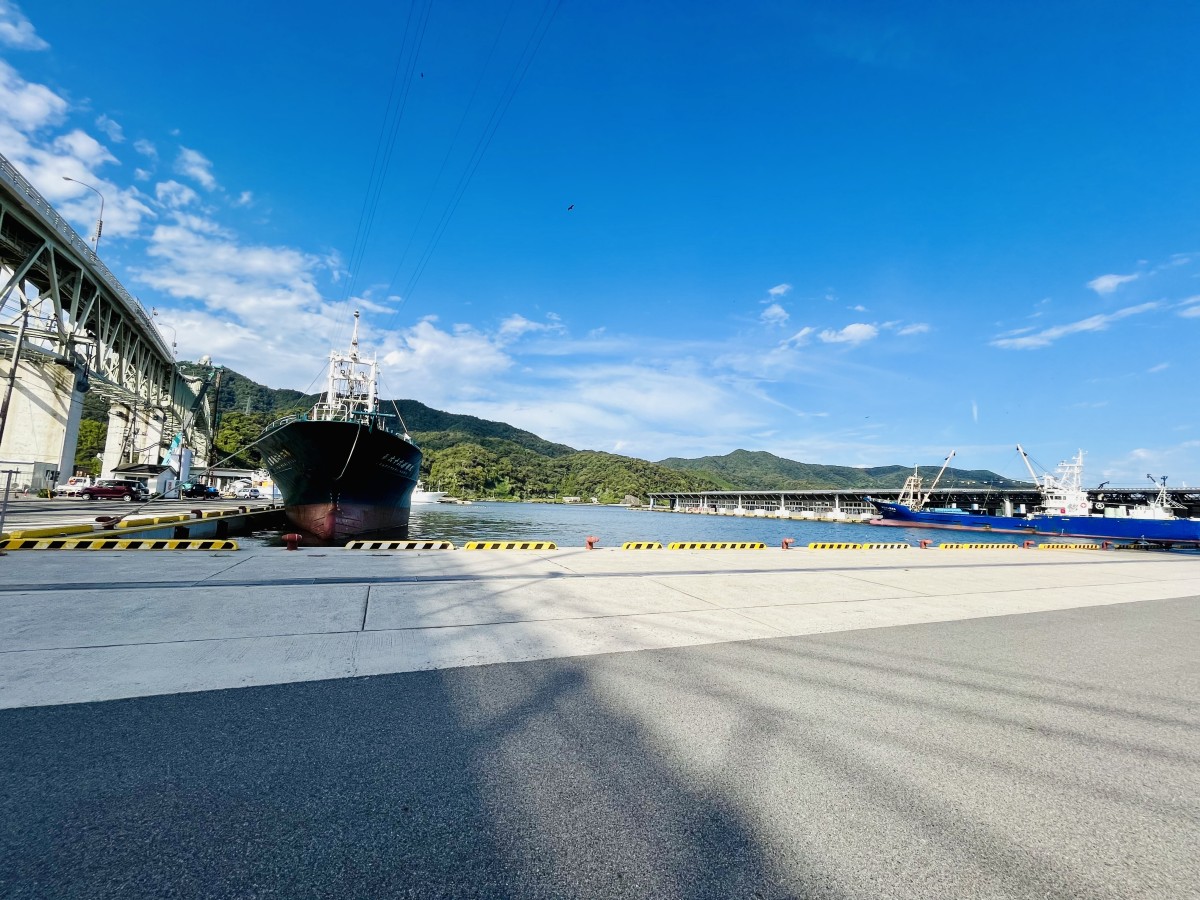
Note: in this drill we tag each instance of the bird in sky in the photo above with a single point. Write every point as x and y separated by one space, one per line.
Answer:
571 207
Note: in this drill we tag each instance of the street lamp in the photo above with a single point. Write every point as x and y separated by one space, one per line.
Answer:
100 220
161 324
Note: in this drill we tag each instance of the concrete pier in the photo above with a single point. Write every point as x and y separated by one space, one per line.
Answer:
916 724
100 626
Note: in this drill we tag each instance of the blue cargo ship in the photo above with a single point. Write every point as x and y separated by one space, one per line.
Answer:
1065 511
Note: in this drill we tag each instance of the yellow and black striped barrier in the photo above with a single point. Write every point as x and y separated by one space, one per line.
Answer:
641 545
833 545
1069 547
897 546
399 545
510 545
115 544
979 547
716 545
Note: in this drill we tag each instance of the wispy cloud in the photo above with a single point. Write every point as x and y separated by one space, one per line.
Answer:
16 30
1106 284
1161 367
1048 336
775 316
1190 307
799 338
915 328
780 290
856 333
113 129
517 325
196 165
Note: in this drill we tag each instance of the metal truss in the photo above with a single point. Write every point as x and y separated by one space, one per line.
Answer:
68 309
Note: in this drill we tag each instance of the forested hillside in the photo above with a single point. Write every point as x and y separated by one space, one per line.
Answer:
757 470
471 457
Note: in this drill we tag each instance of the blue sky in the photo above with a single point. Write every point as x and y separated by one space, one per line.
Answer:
853 233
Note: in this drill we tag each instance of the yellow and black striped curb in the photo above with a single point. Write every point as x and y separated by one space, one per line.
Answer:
510 545
715 545
641 545
887 546
1069 547
113 544
399 545
830 545
979 546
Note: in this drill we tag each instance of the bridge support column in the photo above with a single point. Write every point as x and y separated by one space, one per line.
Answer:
42 424
119 438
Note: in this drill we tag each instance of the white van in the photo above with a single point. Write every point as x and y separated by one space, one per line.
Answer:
73 485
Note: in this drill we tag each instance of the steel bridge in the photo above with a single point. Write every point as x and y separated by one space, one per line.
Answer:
67 326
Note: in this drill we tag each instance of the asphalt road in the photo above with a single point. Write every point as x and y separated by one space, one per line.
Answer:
1044 755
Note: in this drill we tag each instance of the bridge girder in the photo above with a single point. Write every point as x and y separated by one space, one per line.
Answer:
76 313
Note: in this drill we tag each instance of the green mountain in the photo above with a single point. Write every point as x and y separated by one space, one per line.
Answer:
472 457
758 470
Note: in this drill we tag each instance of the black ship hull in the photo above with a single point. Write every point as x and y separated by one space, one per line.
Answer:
341 479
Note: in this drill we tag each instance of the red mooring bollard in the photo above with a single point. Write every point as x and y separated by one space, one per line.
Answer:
925 542
1029 545
292 540
787 543
1106 545
592 541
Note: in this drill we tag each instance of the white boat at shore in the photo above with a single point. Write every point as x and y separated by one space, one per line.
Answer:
420 495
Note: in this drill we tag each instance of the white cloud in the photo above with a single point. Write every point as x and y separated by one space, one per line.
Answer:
1106 284
146 148
780 290
175 195
974 412
16 30
1050 335
445 366
245 198
85 149
858 307
516 325
114 131
915 328
774 315
195 164
1161 367
800 337
1191 307
25 107
854 334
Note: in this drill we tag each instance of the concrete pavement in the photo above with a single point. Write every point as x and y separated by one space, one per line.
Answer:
92 626
1049 754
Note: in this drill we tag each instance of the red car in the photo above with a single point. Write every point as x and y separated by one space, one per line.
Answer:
115 490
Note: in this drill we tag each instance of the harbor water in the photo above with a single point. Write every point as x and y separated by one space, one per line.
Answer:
571 524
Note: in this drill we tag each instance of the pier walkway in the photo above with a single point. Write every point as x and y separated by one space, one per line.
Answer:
99 626
668 724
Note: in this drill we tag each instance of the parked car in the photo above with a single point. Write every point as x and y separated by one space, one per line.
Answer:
115 490
252 493
195 491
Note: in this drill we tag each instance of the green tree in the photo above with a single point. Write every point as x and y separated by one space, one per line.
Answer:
92 435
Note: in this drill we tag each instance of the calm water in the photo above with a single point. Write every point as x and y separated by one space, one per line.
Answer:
570 525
